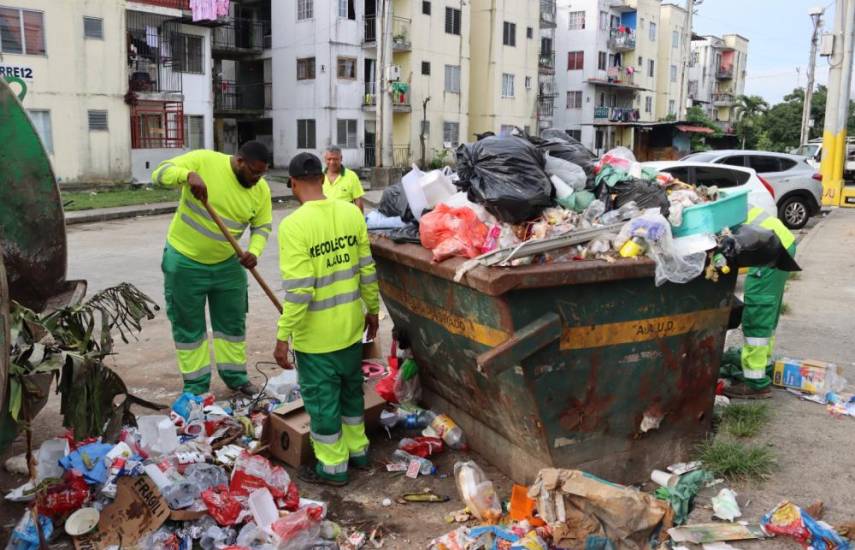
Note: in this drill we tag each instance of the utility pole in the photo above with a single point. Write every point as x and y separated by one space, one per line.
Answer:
834 147
816 17
685 58
386 92
379 83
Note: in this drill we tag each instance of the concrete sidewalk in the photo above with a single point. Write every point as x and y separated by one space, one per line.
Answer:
279 191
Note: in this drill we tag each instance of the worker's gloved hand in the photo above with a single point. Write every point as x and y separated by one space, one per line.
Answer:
280 354
248 260
372 323
197 186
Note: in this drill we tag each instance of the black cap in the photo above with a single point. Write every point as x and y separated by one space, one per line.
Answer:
305 165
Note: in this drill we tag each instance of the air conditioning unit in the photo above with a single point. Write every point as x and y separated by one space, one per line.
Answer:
393 73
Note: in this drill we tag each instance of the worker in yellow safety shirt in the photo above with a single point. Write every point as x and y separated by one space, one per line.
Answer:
331 296
764 294
199 265
339 182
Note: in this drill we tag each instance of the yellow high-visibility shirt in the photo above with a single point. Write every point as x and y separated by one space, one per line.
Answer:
327 274
346 187
758 216
193 232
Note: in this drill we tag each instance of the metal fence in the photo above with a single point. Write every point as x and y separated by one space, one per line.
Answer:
231 96
239 34
400 156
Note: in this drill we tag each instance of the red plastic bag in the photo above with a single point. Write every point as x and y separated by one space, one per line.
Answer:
63 498
222 506
253 472
452 232
291 502
306 520
385 387
422 446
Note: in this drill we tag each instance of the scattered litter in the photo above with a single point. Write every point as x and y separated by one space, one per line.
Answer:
682 495
477 492
426 496
82 521
725 506
707 533
681 468
790 520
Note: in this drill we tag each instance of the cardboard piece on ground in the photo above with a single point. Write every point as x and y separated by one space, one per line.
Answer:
706 533
139 508
187 515
804 375
286 431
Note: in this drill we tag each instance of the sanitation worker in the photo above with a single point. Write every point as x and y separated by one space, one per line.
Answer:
199 265
764 294
339 182
331 296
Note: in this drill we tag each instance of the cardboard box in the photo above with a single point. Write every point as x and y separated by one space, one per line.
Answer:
288 427
805 375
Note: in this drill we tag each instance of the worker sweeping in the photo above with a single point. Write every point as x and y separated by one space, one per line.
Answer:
331 296
764 294
199 265
339 182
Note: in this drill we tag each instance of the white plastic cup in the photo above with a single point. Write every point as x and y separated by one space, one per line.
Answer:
664 479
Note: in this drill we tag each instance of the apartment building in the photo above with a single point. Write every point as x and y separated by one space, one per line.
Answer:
72 81
717 75
546 65
504 74
672 44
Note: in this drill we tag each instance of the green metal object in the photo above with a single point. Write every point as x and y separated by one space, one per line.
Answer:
575 365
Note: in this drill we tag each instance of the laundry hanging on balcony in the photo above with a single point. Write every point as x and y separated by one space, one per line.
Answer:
209 10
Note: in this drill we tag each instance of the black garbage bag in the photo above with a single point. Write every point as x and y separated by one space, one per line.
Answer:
561 145
505 174
645 194
754 246
409 234
394 203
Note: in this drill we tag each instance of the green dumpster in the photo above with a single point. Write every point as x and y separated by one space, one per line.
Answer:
582 365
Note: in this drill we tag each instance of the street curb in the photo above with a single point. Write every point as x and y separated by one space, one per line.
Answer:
813 233
98 215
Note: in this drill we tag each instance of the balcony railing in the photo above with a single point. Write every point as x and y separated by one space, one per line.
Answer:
239 36
232 97
617 75
400 98
369 33
175 4
545 106
724 73
622 41
616 114
547 14
722 99
401 34
400 156
546 62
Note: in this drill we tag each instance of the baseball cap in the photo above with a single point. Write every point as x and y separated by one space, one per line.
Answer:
305 164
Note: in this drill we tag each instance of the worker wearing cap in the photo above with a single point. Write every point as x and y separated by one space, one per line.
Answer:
764 294
331 296
199 265
339 182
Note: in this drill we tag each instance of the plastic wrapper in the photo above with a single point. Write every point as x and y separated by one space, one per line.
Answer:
725 506
409 234
644 193
250 536
477 492
461 200
422 446
459 539
60 499
216 537
571 174
789 520
407 387
222 506
452 232
753 246
253 472
299 528
505 174
25 536
620 158
561 145
656 232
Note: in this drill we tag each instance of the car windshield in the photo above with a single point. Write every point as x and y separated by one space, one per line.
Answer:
808 150
701 157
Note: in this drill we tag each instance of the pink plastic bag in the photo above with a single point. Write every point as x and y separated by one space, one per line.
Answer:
452 232
304 523
253 472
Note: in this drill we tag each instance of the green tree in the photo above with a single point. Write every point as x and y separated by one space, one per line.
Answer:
781 124
749 111
696 115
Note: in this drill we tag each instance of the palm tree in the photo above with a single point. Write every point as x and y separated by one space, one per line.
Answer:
747 110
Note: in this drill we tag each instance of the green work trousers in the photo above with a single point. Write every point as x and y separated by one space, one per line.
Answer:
331 385
187 286
764 294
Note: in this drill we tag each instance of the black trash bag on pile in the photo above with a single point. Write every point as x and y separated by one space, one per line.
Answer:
646 194
409 234
754 246
561 145
505 174
394 203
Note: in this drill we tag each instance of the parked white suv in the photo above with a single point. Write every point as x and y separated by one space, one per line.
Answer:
797 185
732 178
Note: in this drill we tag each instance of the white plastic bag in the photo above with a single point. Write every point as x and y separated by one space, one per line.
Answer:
571 174
671 266
460 200
476 491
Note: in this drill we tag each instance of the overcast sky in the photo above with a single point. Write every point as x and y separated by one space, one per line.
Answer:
779 40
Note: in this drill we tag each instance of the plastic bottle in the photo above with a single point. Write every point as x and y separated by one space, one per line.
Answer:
447 429
633 247
477 491
426 467
720 263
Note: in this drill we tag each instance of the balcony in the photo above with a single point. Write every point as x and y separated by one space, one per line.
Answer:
616 114
621 6
722 99
400 97
369 31
234 99
547 14
174 4
546 62
622 41
724 73
401 34
545 106
238 38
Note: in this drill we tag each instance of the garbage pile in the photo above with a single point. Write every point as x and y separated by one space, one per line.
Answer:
519 200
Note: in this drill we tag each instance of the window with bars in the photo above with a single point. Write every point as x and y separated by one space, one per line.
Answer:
528 83
577 20
574 99
346 68
604 20
306 68
451 133
426 67
346 9
452 21
346 133
507 85
306 133
650 68
575 134
652 31
509 34
22 31
194 132
452 79
426 7
187 53
648 104
575 61
529 32
305 9
97 120
673 73
93 27
602 58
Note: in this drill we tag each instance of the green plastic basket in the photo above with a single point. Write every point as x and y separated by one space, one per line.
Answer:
729 210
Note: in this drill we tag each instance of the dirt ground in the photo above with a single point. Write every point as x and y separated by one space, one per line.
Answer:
816 453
